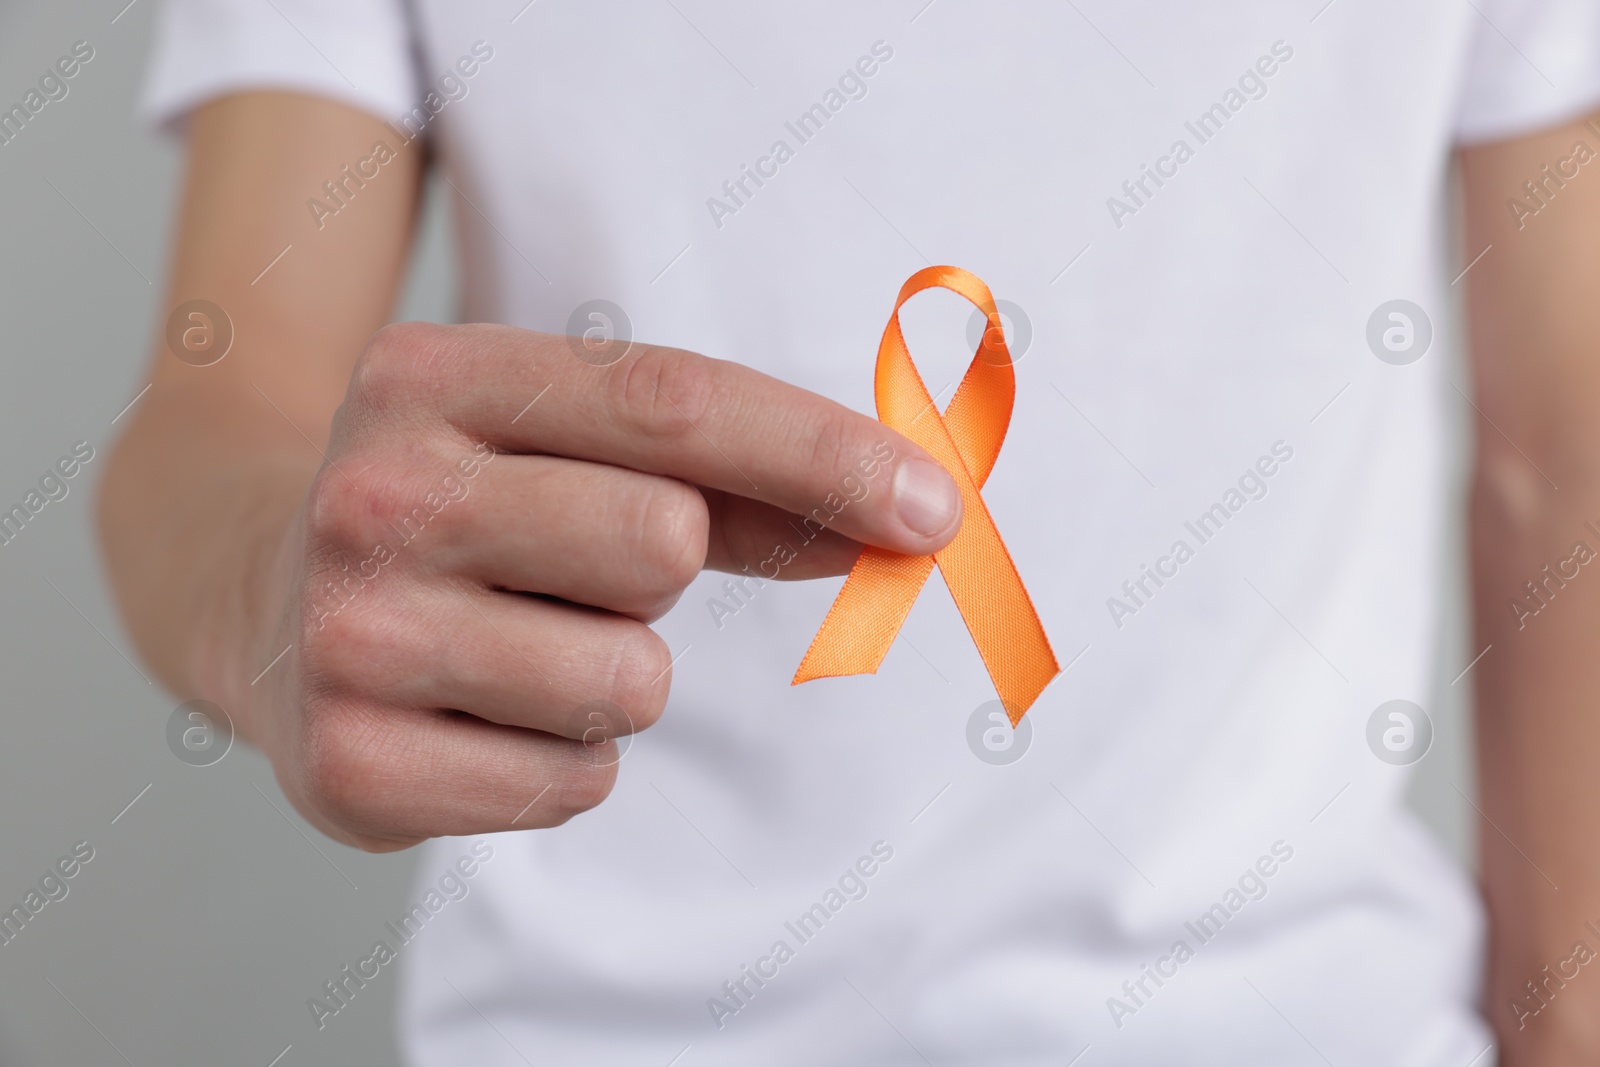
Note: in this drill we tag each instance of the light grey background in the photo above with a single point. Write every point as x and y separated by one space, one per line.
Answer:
209 913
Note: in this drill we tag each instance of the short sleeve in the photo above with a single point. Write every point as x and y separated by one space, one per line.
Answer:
358 52
1530 64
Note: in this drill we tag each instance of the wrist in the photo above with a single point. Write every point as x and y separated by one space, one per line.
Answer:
244 622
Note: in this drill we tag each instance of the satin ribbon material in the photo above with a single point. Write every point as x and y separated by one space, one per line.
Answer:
965 439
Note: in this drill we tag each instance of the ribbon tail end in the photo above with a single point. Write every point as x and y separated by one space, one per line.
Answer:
808 673
836 663
1017 704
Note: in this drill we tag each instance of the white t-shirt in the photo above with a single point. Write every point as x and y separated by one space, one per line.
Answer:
1202 212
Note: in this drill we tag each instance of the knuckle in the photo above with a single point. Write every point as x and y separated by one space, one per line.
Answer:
673 533
663 392
583 783
356 505
638 682
333 510
338 768
351 650
396 364
326 630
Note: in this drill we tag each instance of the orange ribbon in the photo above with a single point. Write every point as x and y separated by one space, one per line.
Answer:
965 439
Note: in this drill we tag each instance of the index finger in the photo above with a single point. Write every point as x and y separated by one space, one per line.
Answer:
711 422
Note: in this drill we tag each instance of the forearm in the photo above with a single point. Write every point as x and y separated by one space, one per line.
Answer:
192 536
215 459
1538 695
1535 551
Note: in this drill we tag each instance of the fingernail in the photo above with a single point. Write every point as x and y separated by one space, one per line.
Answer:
925 497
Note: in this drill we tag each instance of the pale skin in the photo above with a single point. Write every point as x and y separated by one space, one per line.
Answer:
440 699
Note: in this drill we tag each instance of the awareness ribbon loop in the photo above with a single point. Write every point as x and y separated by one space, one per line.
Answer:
965 439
